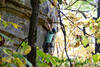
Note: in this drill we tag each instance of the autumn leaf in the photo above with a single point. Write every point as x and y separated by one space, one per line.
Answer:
77 44
97 34
16 25
19 62
55 2
7 59
0 62
27 50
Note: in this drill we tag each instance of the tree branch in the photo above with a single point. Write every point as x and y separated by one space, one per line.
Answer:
91 3
72 4
64 33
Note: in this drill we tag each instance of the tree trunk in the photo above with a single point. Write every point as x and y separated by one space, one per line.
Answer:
33 31
97 46
98 13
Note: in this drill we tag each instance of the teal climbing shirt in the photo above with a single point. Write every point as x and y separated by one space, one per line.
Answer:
49 37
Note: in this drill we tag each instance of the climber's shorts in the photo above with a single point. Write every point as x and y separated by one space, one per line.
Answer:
47 47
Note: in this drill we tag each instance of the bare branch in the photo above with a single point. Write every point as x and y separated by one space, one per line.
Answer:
72 4
91 4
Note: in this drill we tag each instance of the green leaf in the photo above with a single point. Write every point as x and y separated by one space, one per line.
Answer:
98 24
0 18
96 58
85 40
91 27
15 62
7 51
98 40
47 60
18 55
56 59
24 46
5 24
41 53
53 61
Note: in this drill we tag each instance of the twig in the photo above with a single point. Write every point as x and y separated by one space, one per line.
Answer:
82 12
64 33
91 3
83 15
76 10
21 43
72 4
73 23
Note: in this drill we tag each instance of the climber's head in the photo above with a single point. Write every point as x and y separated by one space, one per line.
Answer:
54 30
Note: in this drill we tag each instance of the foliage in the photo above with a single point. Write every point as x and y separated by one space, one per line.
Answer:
96 58
46 59
74 24
16 58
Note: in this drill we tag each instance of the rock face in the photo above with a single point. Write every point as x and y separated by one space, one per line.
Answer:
21 14
21 32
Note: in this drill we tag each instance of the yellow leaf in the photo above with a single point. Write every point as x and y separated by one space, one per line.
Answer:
91 20
93 30
51 6
27 50
19 62
55 2
6 59
98 20
16 25
97 34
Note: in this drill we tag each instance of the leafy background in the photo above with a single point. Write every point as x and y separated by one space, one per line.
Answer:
80 54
